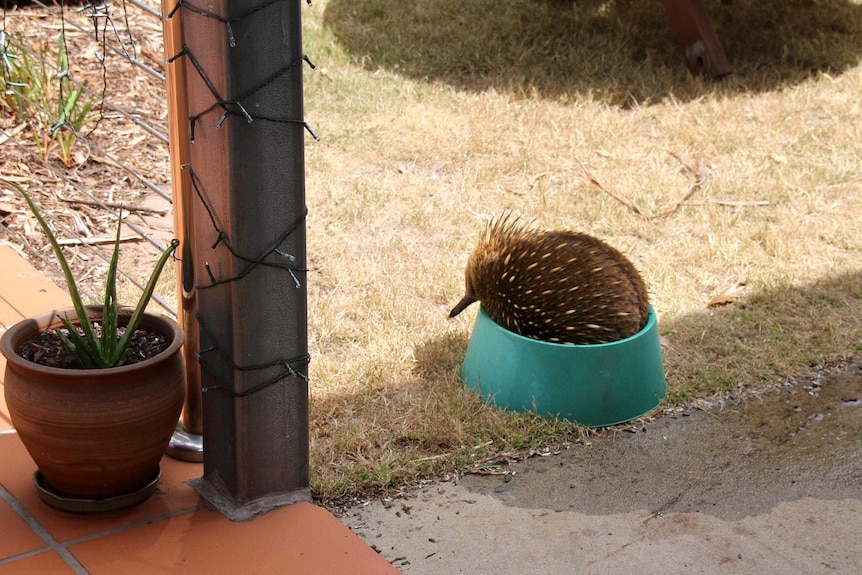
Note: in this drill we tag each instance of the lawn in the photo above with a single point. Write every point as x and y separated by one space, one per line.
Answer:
436 116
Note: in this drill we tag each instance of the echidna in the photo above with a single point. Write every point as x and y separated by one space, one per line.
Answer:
558 286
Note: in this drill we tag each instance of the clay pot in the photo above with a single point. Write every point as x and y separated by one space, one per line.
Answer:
95 433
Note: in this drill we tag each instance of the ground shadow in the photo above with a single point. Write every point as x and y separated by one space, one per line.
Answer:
440 356
619 51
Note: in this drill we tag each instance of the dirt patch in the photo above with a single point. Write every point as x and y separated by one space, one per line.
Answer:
734 459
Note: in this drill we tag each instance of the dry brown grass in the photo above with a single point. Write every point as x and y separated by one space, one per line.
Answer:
437 115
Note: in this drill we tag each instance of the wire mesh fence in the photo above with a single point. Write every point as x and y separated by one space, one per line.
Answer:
83 128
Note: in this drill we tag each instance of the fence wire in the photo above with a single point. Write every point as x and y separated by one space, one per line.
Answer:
245 106
119 154
105 53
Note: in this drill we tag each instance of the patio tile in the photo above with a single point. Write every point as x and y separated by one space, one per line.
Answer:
9 314
47 563
299 539
172 496
17 536
26 292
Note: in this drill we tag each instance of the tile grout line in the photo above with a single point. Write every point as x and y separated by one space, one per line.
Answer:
62 548
25 555
39 530
128 526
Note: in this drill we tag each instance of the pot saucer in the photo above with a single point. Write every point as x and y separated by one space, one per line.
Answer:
75 505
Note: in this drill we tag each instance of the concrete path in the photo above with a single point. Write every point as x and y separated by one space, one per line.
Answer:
771 485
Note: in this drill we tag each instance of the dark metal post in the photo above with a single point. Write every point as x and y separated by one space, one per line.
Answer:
243 62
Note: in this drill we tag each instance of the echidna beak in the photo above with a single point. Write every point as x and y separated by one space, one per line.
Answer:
462 305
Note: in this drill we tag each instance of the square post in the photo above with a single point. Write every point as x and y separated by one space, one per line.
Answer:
243 65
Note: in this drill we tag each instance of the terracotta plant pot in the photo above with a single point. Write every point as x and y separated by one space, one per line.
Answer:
95 434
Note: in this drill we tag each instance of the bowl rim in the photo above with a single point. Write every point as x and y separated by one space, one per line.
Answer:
651 320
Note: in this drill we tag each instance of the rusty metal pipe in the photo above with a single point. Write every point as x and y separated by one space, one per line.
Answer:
187 442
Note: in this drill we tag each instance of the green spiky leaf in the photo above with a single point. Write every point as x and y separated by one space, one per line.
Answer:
106 349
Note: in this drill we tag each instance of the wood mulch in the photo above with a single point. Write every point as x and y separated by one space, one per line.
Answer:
70 196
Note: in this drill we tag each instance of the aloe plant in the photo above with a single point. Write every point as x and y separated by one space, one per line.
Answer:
107 348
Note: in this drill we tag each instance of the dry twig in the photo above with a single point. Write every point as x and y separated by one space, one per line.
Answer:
731 203
628 203
118 205
700 175
95 241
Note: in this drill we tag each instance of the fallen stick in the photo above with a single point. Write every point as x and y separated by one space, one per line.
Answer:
432 457
700 179
485 472
731 203
628 203
119 205
96 241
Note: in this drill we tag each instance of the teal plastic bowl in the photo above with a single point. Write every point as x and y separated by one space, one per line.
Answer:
595 385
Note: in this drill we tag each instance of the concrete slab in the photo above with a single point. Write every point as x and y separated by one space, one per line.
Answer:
769 485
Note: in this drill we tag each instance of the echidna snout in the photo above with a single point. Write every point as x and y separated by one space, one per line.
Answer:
469 296
465 302
556 286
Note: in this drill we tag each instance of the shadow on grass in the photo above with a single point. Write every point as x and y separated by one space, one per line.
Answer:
619 51
423 422
768 335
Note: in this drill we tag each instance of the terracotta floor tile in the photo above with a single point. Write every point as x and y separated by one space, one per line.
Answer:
25 289
172 496
300 539
25 292
47 563
17 536
9 314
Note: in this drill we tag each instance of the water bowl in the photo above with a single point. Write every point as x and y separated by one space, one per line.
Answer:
595 385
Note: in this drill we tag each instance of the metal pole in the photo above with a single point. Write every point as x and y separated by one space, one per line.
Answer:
243 63
187 441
